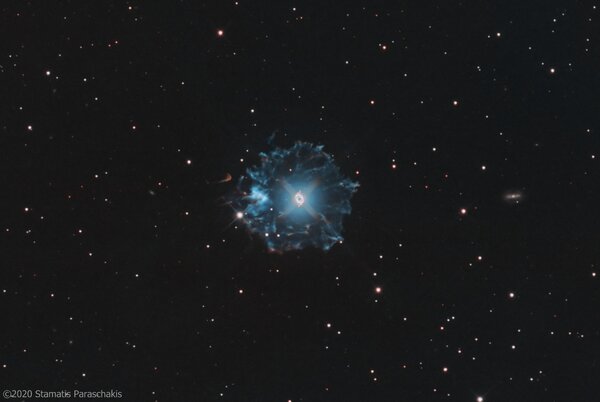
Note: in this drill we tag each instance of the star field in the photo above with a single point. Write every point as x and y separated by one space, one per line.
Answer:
468 265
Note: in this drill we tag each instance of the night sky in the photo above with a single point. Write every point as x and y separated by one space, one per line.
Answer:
469 269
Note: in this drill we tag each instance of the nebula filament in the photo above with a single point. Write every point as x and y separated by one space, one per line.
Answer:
295 198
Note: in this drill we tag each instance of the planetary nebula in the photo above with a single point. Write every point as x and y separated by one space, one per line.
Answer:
295 198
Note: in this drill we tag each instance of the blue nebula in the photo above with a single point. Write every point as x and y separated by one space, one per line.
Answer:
295 198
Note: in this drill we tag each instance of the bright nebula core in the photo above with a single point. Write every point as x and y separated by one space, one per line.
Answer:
296 198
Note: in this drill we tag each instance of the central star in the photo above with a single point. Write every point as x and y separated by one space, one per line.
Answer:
299 199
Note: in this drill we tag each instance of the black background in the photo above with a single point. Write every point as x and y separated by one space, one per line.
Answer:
122 269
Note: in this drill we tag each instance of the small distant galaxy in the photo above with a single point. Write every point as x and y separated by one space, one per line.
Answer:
514 196
296 198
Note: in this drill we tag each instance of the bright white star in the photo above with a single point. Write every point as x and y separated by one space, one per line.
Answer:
299 199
